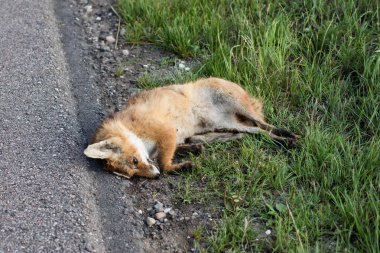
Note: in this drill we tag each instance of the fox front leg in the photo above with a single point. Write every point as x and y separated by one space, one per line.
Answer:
166 148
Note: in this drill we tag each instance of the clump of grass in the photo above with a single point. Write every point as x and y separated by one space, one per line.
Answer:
119 72
167 61
316 64
149 80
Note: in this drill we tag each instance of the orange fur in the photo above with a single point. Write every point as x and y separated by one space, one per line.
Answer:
156 121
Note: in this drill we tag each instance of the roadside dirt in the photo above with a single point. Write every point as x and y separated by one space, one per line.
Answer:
118 66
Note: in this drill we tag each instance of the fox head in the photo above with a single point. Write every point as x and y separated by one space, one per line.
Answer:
124 155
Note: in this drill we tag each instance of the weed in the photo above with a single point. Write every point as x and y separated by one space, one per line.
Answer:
119 72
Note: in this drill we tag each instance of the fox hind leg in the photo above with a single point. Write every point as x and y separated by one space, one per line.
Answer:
250 111
236 127
214 137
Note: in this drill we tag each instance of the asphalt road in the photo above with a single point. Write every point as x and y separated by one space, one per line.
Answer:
51 198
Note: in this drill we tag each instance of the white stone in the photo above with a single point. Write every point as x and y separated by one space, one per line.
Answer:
125 52
160 215
88 8
98 18
187 69
268 232
122 31
181 66
110 39
150 221
158 205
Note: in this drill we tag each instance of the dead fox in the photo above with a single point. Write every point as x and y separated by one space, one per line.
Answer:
157 122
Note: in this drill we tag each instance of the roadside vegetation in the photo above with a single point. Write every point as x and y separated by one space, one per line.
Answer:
316 65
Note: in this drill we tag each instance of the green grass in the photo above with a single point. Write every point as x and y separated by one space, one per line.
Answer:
316 64
149 80
118 72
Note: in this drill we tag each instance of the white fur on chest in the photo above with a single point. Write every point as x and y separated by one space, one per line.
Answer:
151 148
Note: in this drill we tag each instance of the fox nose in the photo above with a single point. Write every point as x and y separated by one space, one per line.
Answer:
154 170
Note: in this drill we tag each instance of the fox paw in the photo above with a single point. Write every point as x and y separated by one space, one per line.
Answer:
197 149
187 165
284 133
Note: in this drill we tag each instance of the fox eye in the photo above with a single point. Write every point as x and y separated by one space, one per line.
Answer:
135 161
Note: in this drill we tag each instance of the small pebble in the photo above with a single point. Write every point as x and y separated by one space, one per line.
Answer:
181 66
167 210
110 39
187 218
150 221
158 204
106 48
160 215
125 52
140 211
268 232
88 8
98 18
145 66
159 210
152 212
187 69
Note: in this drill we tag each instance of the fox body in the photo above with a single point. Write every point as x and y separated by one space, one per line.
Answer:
154 123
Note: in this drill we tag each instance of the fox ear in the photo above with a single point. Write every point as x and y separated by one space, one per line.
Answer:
101 150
